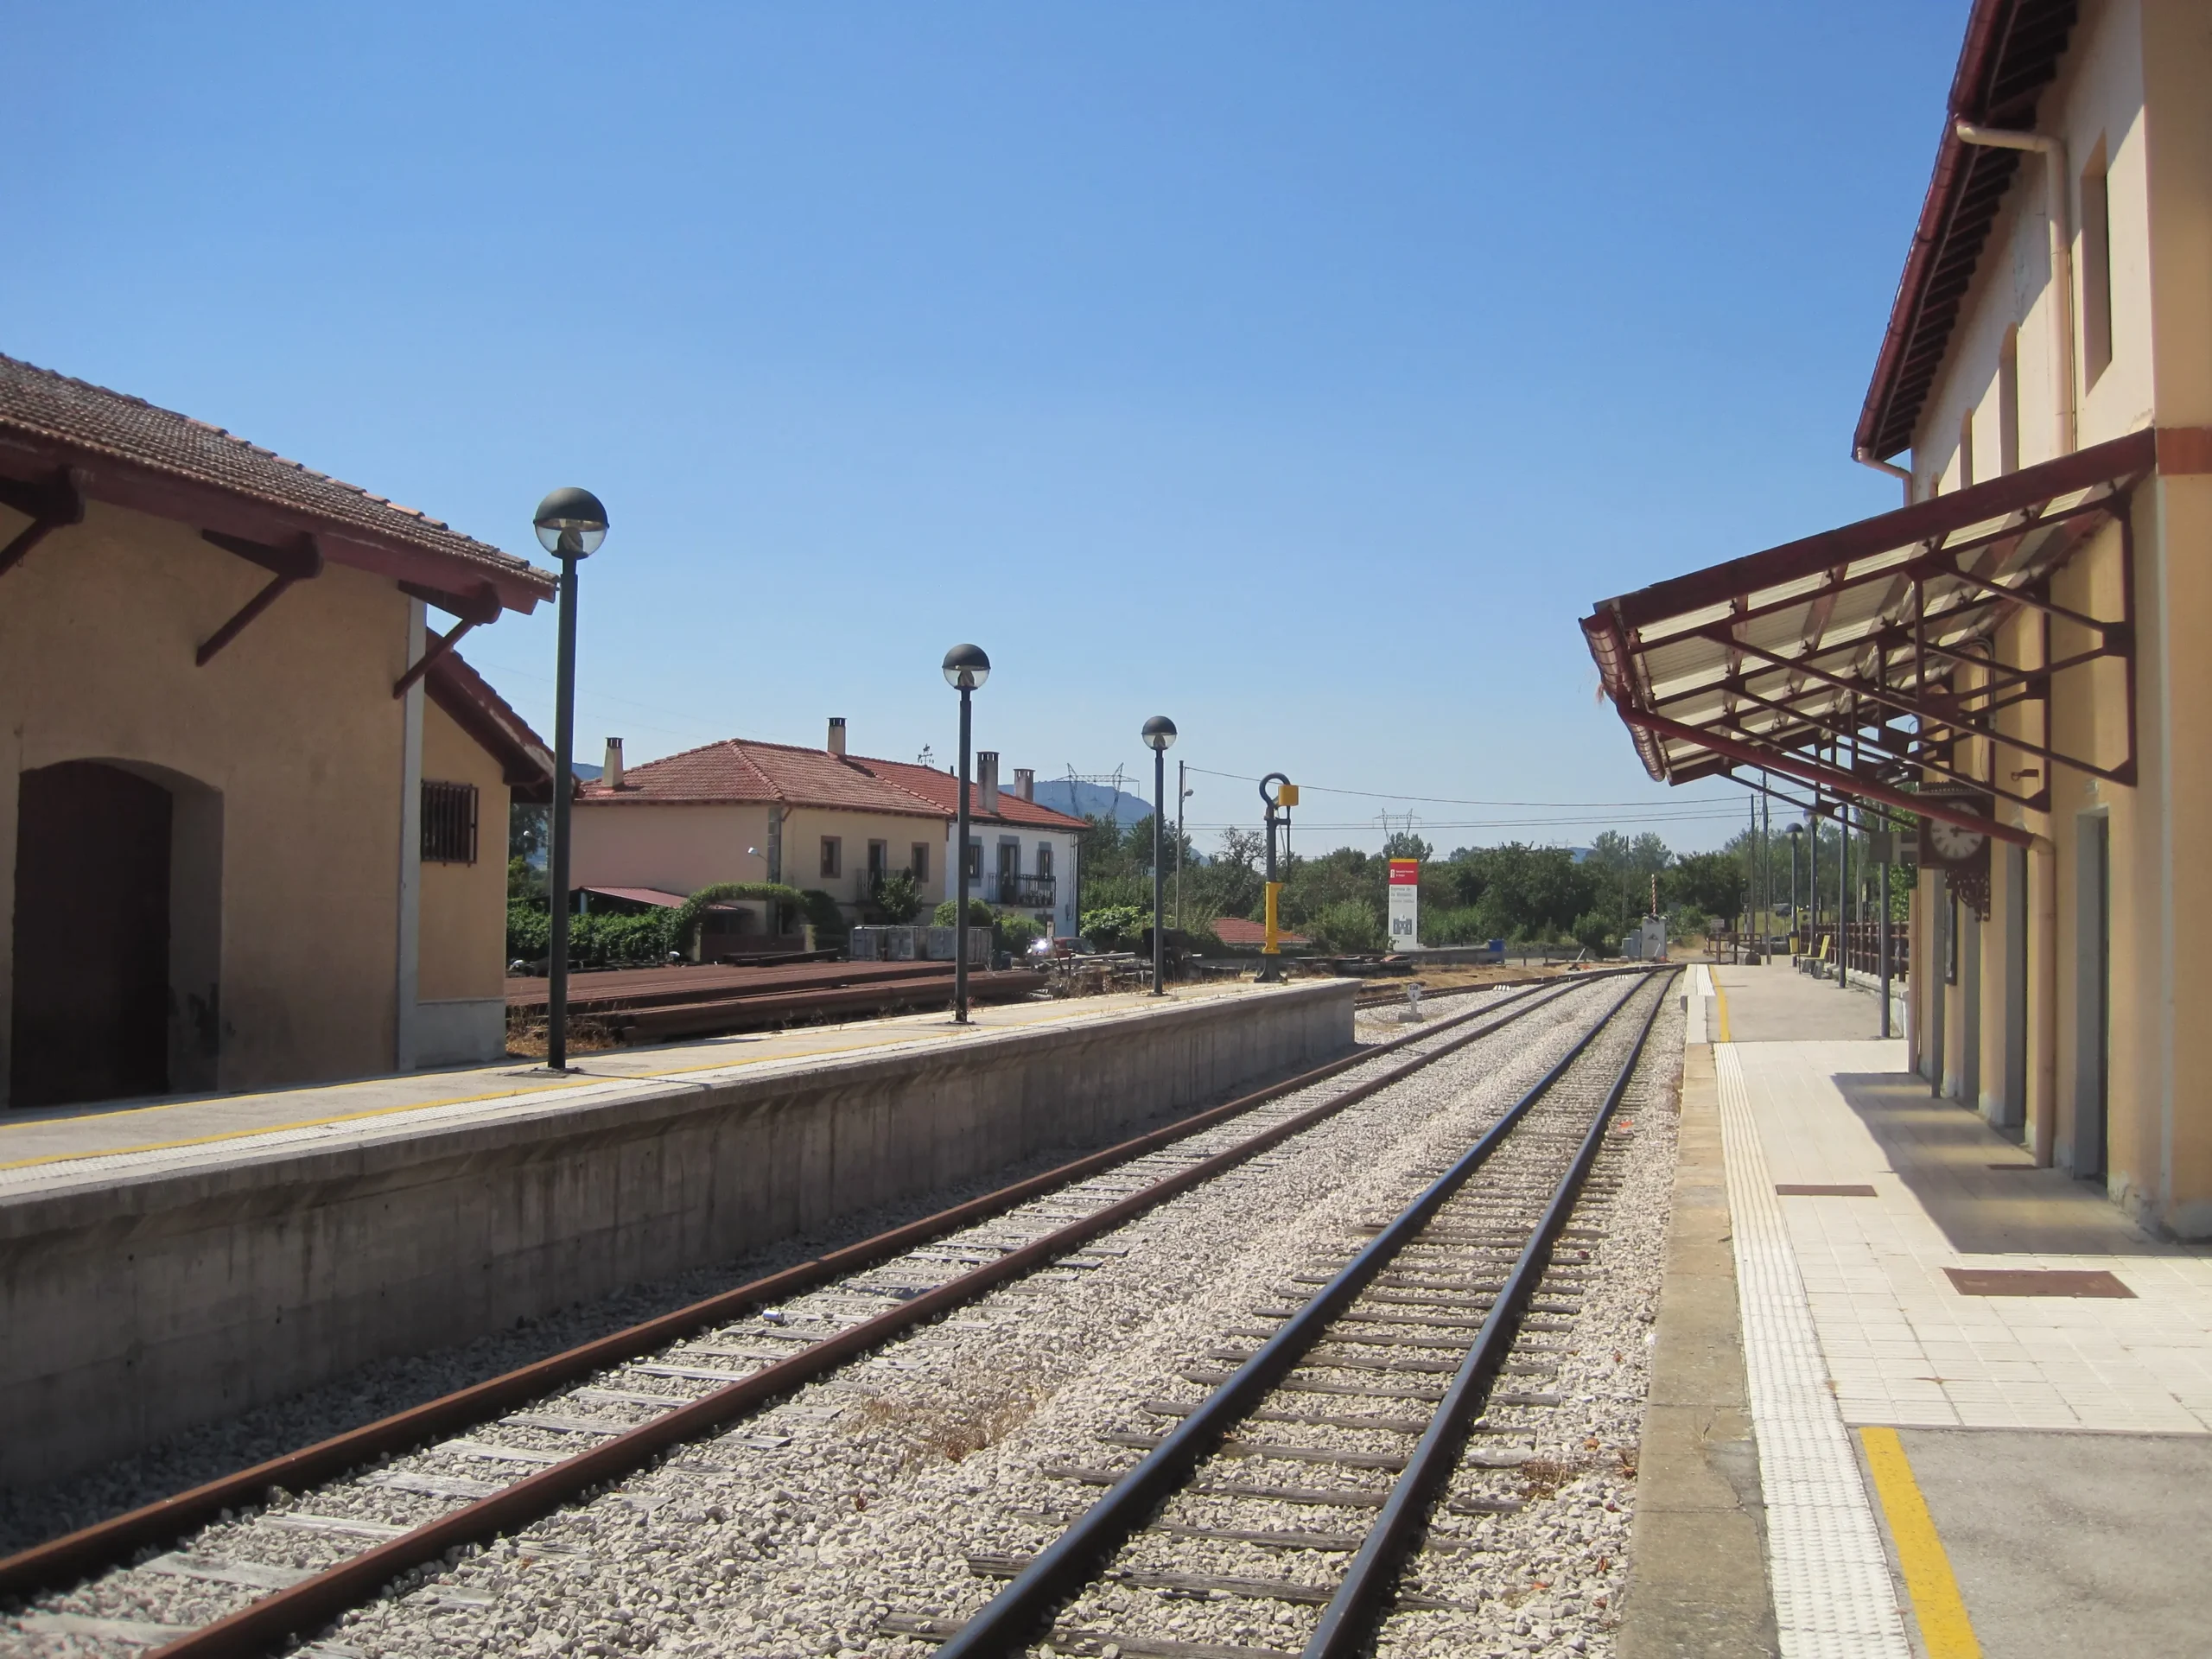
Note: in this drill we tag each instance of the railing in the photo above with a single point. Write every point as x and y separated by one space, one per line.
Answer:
1862 947
1032 891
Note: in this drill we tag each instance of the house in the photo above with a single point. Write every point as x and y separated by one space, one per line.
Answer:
2011 662
1021 856
254 811
741 810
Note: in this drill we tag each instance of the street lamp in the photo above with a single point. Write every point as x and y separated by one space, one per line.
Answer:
965 668
571 525
1159 733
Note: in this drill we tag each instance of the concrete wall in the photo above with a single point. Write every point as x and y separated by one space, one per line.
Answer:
143 1305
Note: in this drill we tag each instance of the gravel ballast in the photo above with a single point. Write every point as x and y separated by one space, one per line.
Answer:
864 1496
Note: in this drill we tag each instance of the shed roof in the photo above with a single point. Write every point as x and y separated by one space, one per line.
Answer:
1236 930
114 447
1763 660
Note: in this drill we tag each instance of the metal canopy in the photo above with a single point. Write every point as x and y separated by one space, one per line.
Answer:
1835 660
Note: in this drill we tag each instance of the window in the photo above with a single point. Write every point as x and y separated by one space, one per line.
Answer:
449 823
975 860
2008 402
2096 268
919 863
878 861
1045 858
1966 450
833 855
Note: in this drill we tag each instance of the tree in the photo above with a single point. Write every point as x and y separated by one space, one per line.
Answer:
1712 882
1403 843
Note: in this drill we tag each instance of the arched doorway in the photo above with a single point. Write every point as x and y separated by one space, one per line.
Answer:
92 935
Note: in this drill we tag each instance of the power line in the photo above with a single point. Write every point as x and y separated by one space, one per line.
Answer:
1437 800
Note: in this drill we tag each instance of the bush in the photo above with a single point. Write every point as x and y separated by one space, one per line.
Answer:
979 913
1596 932
595 941
827 921
1016 934
1113 927
1348 924
683 922
899 896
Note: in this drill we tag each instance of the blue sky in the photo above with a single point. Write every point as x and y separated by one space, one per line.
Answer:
1301 371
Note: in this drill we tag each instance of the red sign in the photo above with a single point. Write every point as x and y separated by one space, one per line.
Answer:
1405 871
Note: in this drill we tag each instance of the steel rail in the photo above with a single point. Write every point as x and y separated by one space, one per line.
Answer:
1345 1627
1012 1618
265 1623
62 1561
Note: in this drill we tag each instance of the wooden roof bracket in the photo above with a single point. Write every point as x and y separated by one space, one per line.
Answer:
474 610
54 503
302 562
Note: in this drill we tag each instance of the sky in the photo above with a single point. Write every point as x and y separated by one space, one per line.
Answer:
1303 372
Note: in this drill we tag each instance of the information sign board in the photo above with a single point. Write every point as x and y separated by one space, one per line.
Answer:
1405 903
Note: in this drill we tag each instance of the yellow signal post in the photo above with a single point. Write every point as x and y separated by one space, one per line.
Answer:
1278 794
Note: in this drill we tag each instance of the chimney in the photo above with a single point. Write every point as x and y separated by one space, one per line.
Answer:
612 776
987 779
837 735
1025 782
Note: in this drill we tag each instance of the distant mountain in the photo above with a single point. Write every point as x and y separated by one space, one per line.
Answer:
585 770
1092 801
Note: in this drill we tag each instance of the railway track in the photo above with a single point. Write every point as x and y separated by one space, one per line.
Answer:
1382 1370
274 1552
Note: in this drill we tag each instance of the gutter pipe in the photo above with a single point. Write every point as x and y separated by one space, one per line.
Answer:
2053 152
1903 474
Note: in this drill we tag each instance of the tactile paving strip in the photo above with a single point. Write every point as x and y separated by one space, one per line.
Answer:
1833 1596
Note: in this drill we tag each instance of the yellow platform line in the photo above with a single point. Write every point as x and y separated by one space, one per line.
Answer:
1719 1007
1944 1626
278 1128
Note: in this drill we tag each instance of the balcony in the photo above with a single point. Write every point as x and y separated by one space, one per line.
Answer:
1028 891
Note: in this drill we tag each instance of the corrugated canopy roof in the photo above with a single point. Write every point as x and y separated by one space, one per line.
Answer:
1766 660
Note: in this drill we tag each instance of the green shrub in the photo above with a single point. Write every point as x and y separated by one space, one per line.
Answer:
1597 933
603 940
979 913
683 922
1113 926
1348 924
1017 933
826 919
899 896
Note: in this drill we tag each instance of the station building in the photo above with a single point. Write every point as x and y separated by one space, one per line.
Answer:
252 808
2017 660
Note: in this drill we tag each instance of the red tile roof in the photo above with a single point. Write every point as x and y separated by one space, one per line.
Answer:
1236 930
126 451
738 769
943 788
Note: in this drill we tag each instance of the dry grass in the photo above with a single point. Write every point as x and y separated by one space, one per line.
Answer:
950 1428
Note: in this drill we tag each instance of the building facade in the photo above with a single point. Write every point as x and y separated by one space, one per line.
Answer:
217 735
823 819
2014 659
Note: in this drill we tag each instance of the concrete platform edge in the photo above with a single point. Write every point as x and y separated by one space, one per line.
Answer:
1698 1580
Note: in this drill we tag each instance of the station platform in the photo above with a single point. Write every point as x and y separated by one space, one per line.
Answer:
167 1263
1979 1396
42 1147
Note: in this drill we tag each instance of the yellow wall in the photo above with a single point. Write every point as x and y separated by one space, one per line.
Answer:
464 907
803 833
294 726
677 849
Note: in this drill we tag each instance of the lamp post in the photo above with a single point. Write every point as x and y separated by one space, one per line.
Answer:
965 668
1796 835
1158 734
570 525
